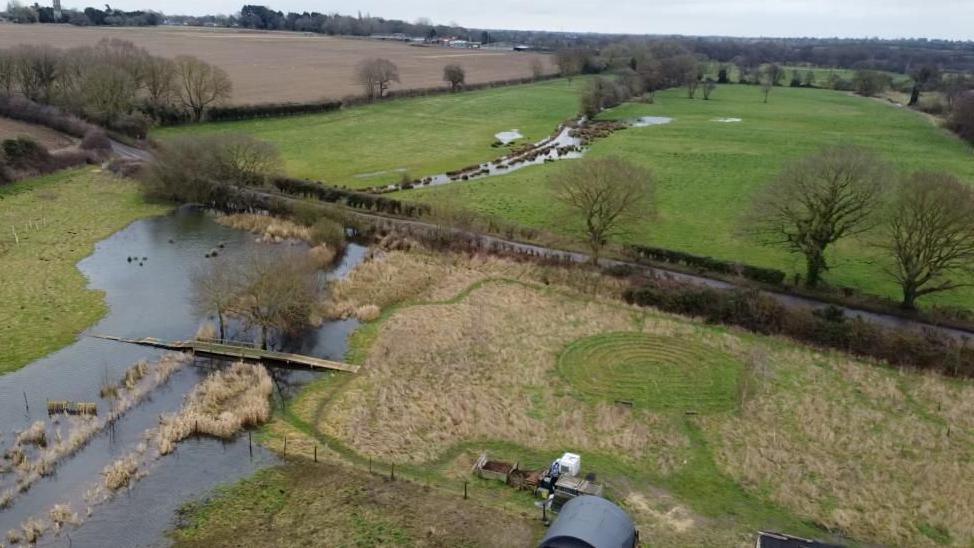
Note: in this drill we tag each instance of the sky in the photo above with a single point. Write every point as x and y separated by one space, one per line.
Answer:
951 19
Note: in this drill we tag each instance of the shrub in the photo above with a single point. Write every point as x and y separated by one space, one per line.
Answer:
95 139
24 153
709 264
826 328
329 232
133 124
25 110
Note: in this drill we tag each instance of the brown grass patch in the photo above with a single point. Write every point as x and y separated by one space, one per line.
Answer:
269 228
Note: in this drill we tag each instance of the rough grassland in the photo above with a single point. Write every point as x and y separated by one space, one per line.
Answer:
366 146
333 505
468 361
288 66
708 171
58 219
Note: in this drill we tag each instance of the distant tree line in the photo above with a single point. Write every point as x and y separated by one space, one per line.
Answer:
113 84
19 13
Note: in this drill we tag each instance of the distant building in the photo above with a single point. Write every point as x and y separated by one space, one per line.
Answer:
591 522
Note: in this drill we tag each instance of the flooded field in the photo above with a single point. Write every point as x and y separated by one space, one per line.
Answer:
147 297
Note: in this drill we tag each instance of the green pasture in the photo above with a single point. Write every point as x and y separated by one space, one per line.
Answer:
707 172
377 144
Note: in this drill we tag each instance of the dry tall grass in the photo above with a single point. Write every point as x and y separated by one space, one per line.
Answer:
879 455
269 228
220 406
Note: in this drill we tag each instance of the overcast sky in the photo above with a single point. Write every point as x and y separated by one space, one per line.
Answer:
952 19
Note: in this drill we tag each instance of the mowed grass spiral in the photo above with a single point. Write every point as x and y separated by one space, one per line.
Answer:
651 372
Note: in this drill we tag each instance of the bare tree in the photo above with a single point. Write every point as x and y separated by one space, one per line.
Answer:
570 62
107 92
688 70
931 235
8 72
37 71
774 73
160 81
277 293
201 84
708 88
216 289
455 75
818 200
607 195
537 69
376 75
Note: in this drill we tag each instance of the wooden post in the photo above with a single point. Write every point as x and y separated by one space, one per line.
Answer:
464 489
26 406
316 452
544 512
370 465
285 446
250 444
392 473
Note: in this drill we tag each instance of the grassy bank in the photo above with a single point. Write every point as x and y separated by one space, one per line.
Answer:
527 362
334 505
708 171
376 144
57 219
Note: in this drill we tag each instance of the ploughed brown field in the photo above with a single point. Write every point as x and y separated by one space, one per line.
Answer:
289 66
53 140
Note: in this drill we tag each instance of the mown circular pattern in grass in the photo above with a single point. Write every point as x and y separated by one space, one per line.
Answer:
651 372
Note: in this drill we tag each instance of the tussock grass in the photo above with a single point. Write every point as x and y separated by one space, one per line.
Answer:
322 256
35 434
121 473
368 313
62 515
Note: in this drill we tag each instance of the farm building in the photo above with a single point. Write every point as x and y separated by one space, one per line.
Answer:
591 522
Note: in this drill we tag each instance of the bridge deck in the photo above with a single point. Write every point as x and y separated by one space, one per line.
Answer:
239 351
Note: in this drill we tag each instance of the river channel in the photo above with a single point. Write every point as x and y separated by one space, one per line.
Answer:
146 297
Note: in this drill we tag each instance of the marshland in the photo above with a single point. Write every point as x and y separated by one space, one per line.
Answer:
734 275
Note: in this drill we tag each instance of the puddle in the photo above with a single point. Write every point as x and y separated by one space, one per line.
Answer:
506 137
726 120
646 121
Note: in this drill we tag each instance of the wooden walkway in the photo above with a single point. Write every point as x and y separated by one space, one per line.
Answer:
238 351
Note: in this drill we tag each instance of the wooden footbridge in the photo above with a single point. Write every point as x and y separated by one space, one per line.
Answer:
239 351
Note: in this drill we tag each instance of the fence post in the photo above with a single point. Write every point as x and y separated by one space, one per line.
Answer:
316 452
464 489
285 446
392 473
250 445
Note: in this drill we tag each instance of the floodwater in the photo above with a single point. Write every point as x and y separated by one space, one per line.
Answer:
147 300
506 137
646 121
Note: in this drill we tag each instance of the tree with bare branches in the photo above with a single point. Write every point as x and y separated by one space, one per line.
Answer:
277 293
817 200
216 289
537 69
200 84
160 81
376 75
930 229
455 76
607 195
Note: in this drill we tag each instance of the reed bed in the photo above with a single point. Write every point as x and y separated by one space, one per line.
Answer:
32 464
267 227
222 405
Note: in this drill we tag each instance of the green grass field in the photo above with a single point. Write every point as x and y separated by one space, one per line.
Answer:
377 144
58 219
707 171
659 373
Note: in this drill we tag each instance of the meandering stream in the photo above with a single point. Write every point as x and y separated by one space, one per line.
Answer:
147 300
